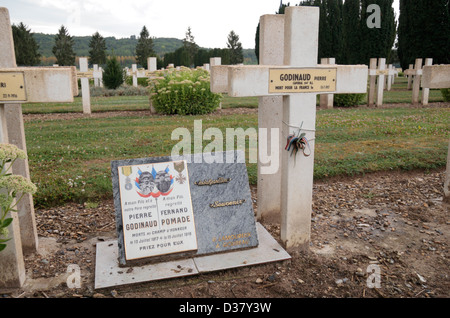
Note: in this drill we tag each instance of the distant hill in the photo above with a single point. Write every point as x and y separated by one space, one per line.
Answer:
122 47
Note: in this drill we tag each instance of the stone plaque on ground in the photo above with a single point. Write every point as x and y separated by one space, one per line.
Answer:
182 206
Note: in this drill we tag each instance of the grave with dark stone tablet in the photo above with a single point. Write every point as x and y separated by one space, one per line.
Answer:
182 216
178 207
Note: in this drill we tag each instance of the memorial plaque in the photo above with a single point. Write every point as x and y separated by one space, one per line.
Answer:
89 74
156 209
302 80
12 87
220 217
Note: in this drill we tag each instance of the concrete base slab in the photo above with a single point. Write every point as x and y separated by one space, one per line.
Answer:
267 251
109 274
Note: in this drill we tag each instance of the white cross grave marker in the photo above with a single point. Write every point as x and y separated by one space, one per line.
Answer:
141 73
134 71
271 52
85 92
390 73
379 79
425 90
151 65
298 81
372 81
98 76
410 77
20 85
416 74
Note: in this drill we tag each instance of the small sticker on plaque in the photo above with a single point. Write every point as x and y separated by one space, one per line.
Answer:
302 80
12 87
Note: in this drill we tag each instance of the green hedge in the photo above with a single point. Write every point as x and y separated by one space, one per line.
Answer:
446 94
142 81
348 100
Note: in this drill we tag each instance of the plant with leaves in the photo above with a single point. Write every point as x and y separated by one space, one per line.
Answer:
63 48
235 47
25 46
446 94
11 186
144 48
183 92
113 75
97 53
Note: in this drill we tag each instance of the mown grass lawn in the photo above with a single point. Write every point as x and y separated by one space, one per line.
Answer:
70 159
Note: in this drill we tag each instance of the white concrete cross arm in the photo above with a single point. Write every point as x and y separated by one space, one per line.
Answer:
436 76
240 81
219 78
41 84
412 72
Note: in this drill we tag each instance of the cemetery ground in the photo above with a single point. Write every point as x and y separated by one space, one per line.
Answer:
378 200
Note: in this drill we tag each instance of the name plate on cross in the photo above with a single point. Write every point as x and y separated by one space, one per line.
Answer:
267 80
302 80
12 87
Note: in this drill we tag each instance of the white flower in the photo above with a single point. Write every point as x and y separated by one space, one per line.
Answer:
11 152
17 184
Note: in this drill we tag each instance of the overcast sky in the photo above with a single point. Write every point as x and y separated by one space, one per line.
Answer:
210 20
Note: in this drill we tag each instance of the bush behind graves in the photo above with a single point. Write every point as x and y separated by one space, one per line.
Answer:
183 92
113 75
123 90
446 94
142 81
348 100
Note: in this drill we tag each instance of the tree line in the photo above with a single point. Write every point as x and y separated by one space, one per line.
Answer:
346 31
343 30
191 55
188 53
424 31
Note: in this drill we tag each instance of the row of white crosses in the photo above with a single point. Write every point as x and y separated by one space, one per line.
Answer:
381 77
84 75
20 85
97 74
142 73
414 80
288 42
